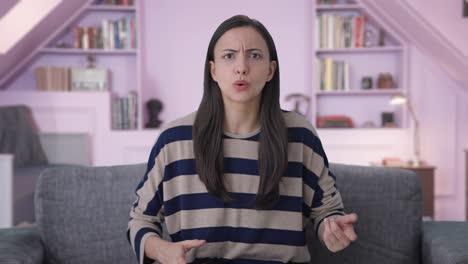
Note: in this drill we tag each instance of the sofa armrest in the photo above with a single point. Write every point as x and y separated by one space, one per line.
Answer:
21 245
445 242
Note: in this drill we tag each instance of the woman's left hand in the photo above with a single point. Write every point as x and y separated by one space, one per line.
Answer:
336 232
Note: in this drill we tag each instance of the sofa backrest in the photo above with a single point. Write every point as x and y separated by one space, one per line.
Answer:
82 214
388 202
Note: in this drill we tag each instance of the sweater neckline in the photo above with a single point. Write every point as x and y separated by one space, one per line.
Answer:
239 136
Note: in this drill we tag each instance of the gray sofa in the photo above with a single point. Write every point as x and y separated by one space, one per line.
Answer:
82 214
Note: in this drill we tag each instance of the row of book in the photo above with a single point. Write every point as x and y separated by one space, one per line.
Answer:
119 34
333 75
125 112
115 2
331 2
337 31
51 78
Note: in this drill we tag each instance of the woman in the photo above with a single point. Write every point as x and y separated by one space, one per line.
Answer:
238 180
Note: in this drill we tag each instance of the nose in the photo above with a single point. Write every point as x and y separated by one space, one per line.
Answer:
241 66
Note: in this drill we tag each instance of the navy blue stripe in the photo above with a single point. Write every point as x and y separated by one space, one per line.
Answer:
231 165
168 136
241 201
239 261
317 200
310 178
242 235
139 236
180 167
305 136
156 202
305 210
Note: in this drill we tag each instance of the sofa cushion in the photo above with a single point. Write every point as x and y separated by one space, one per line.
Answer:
389 205
82 213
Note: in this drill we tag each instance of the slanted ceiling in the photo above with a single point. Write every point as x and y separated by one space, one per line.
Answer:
397 15
19 56
408 23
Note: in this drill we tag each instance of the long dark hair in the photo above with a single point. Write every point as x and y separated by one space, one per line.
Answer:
209 122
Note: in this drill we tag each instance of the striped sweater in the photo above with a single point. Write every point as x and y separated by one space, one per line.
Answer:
171 192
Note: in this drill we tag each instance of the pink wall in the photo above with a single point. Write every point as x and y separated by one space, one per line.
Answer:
177 39
175 42
446 17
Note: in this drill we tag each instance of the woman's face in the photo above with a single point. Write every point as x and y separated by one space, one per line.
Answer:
241 65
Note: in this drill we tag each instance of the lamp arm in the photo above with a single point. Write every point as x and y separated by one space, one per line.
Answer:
417 146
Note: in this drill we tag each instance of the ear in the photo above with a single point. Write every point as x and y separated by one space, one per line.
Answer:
272 70
213 70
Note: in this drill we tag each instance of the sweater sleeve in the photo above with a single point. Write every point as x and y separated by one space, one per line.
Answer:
147 214
321 193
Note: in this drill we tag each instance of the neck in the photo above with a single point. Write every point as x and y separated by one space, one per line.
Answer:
242 119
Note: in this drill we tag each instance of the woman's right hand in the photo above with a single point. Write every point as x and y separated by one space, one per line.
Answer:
169 252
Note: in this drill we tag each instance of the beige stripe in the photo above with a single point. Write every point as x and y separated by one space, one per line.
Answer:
294 119
308 195
235 148
237 183
297 152
233 250
186 120
137 225
149 188
179 150
248 218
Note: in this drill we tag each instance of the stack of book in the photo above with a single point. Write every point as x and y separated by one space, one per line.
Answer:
119 34
125 112
51 78
337 31
332 75
115 2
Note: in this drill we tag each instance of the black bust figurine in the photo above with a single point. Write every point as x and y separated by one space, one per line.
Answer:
154 107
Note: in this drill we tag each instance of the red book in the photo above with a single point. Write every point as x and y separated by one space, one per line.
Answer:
77 35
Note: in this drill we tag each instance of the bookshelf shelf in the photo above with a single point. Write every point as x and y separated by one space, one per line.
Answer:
360 50
111 8
361 92
71 51
338 7
352 49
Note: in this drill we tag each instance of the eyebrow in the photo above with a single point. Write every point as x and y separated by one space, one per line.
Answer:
249 50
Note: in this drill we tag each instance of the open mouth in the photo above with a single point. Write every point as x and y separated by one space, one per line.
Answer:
241 85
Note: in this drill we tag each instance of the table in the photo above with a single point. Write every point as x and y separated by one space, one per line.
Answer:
426 176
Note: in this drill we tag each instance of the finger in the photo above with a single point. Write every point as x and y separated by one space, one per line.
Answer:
189 244
349 232
346 219
343 240
181 261
329 238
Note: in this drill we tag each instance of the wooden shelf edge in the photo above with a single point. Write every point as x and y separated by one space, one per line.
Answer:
89 51
338 7
360 92
361 50
111 8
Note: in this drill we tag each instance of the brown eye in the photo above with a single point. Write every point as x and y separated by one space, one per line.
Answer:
255 55
228 56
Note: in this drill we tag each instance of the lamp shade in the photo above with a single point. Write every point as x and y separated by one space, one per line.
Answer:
398 99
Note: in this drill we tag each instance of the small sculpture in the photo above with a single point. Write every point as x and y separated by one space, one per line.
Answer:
385 81
366 83
154 107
